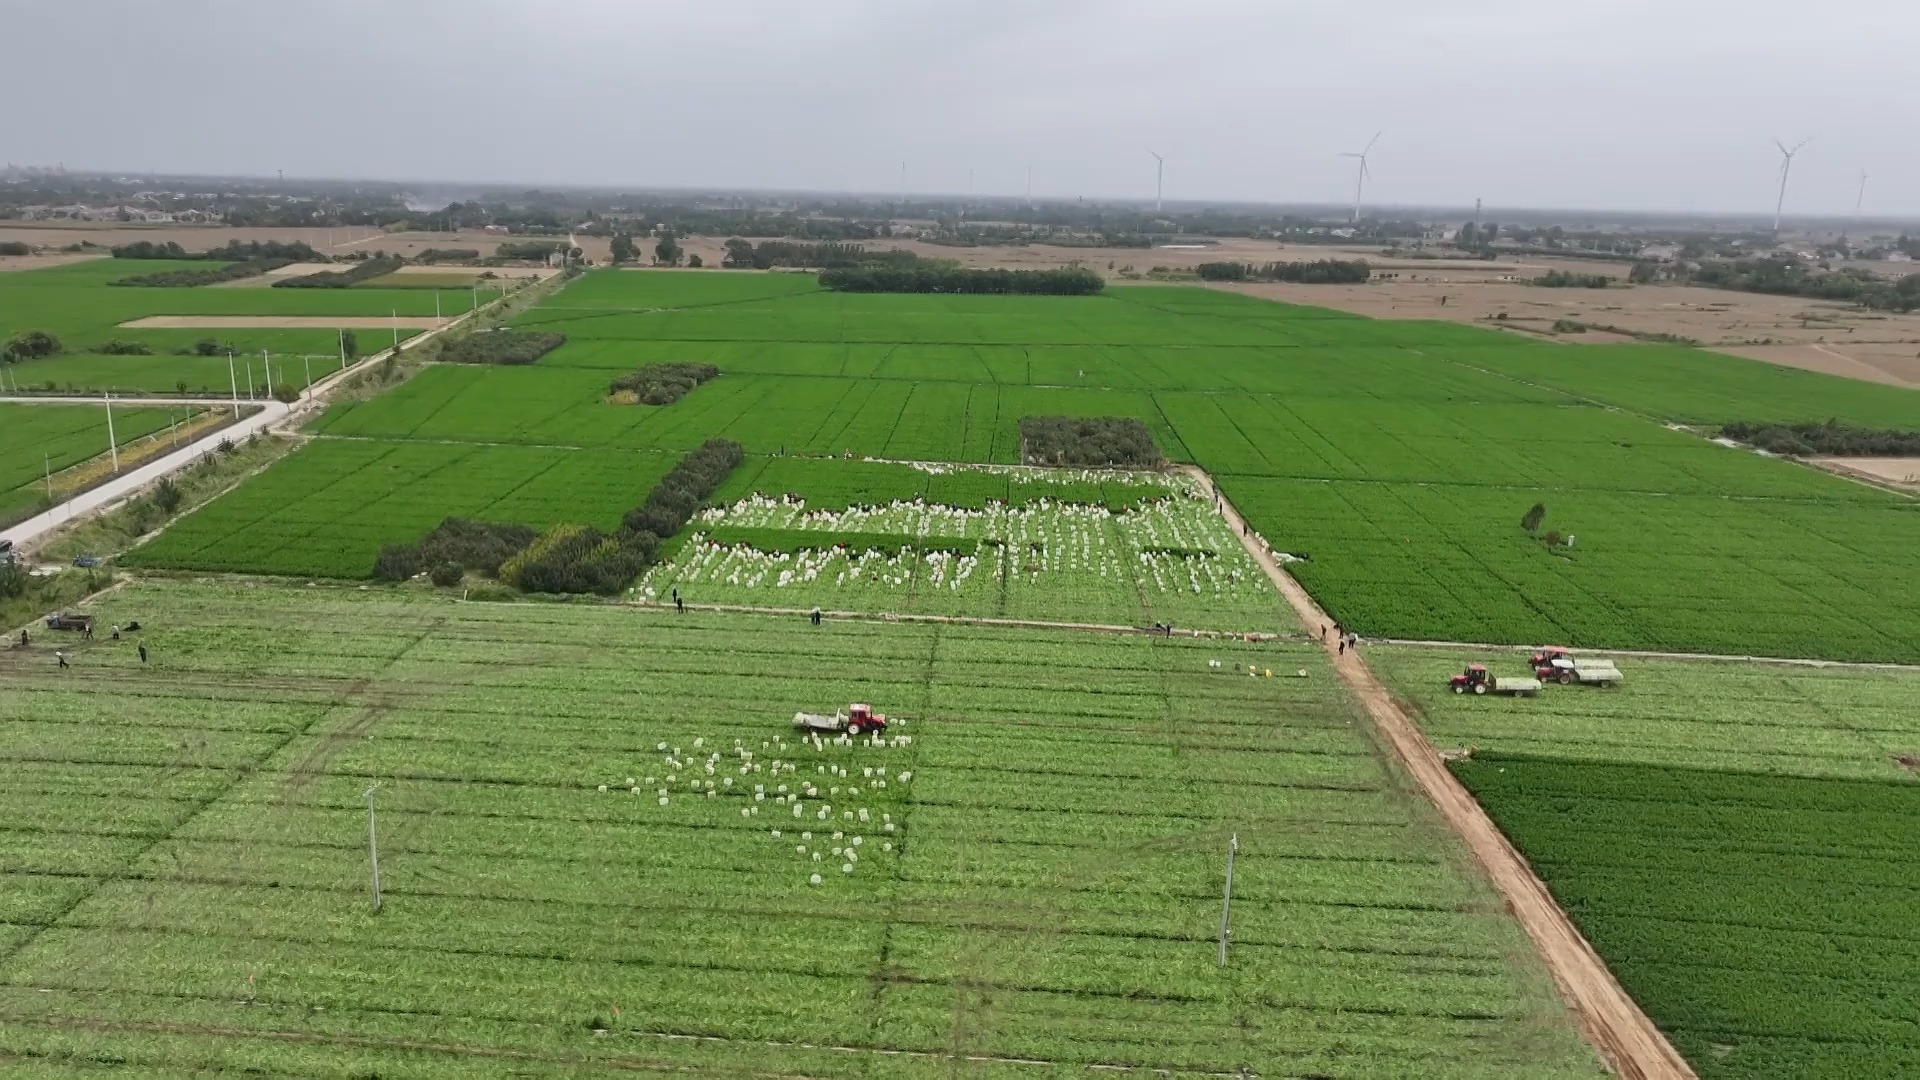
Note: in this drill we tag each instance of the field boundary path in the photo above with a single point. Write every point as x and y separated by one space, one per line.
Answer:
1610 1019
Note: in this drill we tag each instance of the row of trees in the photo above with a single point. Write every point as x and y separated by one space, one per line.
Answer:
1564 279
745 255
184 279
232 251
567 558
1070 281
1832 438
1788 276
1315 272
341 279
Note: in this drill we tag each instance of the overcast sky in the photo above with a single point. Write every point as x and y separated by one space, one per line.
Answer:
1632 104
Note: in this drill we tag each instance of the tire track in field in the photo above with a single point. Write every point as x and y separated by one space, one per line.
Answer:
1611 1021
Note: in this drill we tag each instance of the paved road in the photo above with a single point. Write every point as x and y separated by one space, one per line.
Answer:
120 487
271 413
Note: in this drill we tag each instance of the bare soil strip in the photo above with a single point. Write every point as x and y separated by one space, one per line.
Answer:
1610 1019
286 322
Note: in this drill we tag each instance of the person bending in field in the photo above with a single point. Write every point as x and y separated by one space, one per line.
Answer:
143 654
61 655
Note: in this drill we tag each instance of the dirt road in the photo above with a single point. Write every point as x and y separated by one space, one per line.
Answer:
1606 1015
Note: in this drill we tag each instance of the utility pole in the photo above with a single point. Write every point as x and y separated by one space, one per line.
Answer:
249 378
373 849
343 349
233 382
394 314
1226 906
267 363
172 439
436 305
46 463
112 443
306 364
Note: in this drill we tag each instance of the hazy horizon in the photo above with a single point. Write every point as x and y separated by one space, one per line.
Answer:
1643 108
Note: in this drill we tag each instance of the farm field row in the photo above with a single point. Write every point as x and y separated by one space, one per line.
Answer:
1399 459
37 438
328 508
1728 835
1171 560
1038 879
77 304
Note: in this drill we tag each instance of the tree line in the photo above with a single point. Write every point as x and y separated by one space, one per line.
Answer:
340 279
1788 276
232 251
744 255
567 558
1315 272
1832 438
183 279
1564 279
1069 281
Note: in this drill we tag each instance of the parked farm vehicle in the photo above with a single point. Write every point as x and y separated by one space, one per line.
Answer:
1476 680
67 620
854 720
1559 665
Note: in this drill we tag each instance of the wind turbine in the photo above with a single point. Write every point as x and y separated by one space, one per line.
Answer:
1159 178
1786 166
1360 181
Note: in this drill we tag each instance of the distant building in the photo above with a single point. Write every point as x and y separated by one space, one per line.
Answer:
1897 255
1660 252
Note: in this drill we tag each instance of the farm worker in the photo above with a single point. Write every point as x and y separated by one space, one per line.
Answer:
143 654
23 637
1343 644
61 655
815 616
676 594
679 605
116 631
1323 633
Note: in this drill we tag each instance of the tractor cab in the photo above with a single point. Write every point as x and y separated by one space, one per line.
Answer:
1542 660
1475 678
862 718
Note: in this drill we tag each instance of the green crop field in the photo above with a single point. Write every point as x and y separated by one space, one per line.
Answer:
1023 878
36 438
1396 457
326 510
1732 837
1046 545
77 304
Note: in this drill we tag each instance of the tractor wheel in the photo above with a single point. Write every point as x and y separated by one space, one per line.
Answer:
1566 678
1459 688
1480 688
853 729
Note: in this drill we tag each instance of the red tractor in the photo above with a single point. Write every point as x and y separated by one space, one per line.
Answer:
1476 680
857 719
